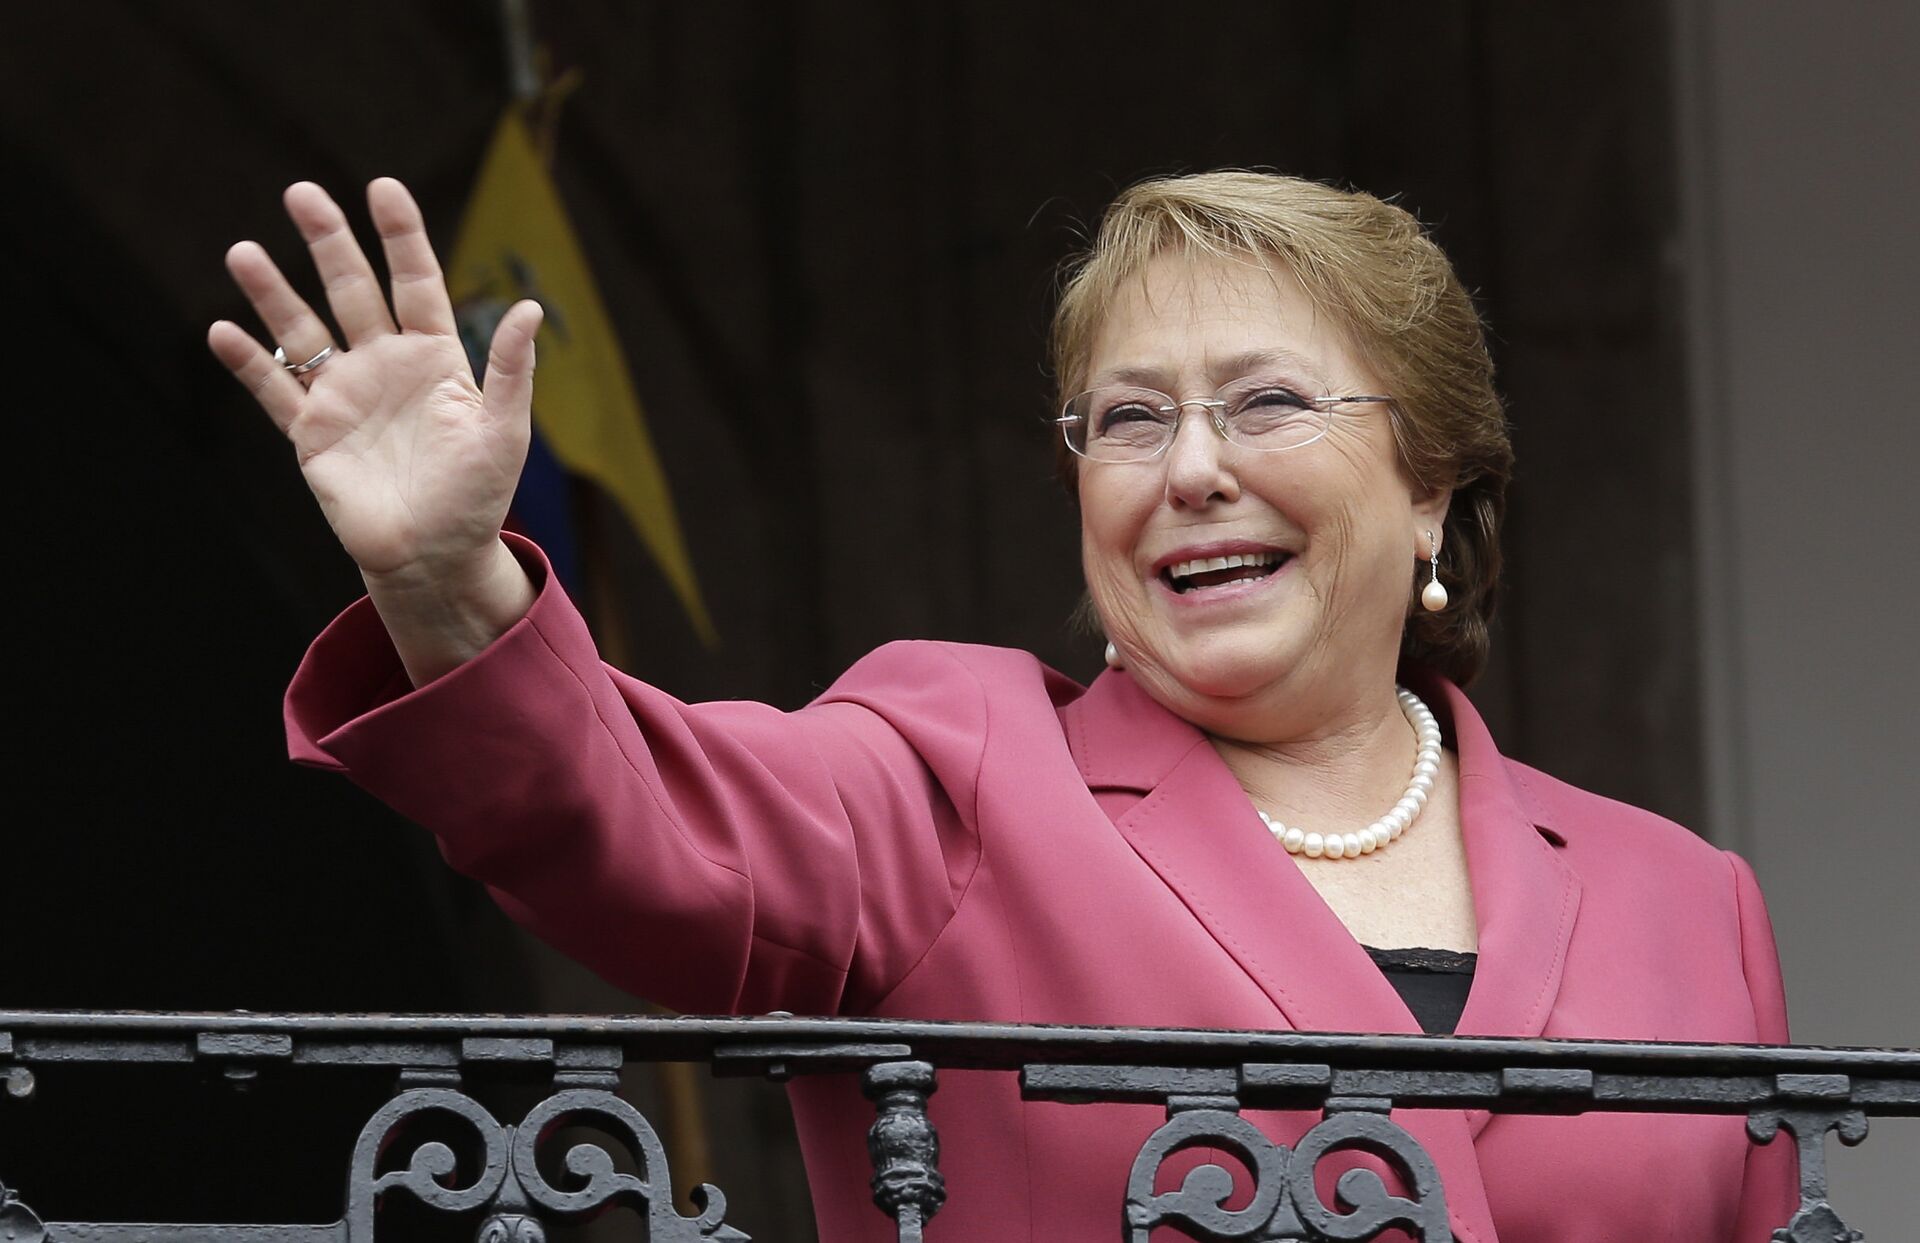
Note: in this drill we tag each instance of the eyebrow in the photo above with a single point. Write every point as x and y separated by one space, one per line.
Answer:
1231 368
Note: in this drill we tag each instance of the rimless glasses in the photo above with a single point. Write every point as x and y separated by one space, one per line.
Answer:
1127 423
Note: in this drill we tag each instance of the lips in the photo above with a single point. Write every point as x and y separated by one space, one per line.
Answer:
1201 569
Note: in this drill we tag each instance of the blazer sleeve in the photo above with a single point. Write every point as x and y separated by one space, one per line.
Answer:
716 858
1770 1194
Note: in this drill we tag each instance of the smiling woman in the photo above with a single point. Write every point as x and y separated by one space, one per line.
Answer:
1278 417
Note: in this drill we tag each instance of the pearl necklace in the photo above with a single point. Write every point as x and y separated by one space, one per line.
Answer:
1426 762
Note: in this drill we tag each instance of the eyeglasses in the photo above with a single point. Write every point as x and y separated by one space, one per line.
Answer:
1126 423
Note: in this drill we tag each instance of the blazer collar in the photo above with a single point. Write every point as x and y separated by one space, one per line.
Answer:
1195 827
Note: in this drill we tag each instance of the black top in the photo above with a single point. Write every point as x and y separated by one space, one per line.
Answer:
1433 983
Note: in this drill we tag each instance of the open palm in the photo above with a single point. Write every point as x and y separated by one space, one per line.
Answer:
413 463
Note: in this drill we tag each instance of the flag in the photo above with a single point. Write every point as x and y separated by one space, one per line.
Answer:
516 242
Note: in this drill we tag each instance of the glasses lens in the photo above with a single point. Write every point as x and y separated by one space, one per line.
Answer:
1118 424
1269 416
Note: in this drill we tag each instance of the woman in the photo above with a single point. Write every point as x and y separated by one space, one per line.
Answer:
1278 417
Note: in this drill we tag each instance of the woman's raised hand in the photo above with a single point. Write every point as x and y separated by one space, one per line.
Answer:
413 463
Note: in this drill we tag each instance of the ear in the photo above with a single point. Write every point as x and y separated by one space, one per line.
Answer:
1429 511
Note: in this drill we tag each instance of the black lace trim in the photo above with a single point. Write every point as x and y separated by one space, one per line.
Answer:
1419 958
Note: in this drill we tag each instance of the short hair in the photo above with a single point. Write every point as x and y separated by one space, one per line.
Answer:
1370 266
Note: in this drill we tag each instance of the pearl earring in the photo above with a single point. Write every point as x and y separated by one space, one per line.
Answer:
1433 597
1113 656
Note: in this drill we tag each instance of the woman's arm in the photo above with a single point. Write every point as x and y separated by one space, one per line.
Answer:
723 857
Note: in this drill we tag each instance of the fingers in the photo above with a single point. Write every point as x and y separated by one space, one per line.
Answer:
420 298
290 321
507 390
352 289
271 384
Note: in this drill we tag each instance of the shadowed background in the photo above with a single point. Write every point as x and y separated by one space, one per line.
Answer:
826 236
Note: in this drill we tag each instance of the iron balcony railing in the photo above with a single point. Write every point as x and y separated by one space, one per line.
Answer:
1202 1078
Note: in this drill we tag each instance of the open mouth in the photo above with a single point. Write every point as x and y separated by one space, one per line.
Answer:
1204 572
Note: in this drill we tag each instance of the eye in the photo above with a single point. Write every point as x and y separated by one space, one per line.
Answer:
1127 412
1275 400
1270 416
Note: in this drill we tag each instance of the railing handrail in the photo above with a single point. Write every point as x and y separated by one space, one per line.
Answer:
967 1045
1281 1069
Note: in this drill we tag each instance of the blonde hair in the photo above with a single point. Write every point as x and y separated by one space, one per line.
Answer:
1371 267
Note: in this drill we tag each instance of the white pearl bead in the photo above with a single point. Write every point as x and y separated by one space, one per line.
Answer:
1352 843
1295 839
1336 846
1397 827
1421 783
1433 597
1314 845
1368 842
1418 798
1407 807
1426 768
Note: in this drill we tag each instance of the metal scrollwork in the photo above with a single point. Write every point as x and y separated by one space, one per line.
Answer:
650 1192
431 1163
1374 1209
904 1147
1816 1221
509 1183
1198 1207
1285 1204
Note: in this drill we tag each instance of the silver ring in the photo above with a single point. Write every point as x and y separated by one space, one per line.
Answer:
280 356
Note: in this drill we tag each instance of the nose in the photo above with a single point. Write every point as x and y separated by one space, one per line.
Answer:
1198 473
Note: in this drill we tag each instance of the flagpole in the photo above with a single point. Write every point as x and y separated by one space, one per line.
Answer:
523 76
689 1153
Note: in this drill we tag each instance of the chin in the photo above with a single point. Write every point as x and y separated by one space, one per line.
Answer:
1227 666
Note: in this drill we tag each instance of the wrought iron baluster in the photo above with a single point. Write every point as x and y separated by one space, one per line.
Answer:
907 1183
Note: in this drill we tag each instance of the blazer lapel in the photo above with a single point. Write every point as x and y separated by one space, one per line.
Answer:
1525 897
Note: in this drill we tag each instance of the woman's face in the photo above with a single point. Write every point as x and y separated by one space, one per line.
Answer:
1316 630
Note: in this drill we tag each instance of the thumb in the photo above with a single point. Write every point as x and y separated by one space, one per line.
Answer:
507 389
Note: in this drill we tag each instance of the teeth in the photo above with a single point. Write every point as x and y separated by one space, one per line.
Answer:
1234 561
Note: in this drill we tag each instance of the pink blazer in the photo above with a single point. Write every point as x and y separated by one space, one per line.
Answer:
957 832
